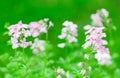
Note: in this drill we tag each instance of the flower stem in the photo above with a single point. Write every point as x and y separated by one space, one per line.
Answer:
46 36
45 57
23 50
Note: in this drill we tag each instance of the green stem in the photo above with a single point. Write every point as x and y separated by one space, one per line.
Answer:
46 36
15 54
45 57
23 50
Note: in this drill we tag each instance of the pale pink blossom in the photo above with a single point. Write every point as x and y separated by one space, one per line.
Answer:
71 39
18 33
69 32
38 46
103 58
96 19
105 12
25 44
94 37
42 26
15 45
95 40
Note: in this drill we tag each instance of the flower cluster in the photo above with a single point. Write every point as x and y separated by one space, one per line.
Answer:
42 26
95 36
69 33
20 32
99 17
60 72
38 45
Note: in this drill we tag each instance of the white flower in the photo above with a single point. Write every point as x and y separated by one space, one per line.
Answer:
80 64
103 58
105 12
61 45
51 24
69 32
38 46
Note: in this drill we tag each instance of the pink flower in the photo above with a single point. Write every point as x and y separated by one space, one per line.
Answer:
34 28
42 26
18 33
38 46
94 38
25 44
96 19
103 58
69 32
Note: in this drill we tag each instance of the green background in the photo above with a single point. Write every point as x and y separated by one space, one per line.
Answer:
78 11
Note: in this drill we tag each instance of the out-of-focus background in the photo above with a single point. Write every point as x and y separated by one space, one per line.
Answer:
78 11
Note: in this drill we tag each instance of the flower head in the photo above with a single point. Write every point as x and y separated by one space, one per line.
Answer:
19 32
69 32
37 28
103 58
38 46
95 35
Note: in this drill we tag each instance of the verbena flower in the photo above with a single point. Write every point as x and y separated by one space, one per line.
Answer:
38 46
42 26
69 32
19 32
94 38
